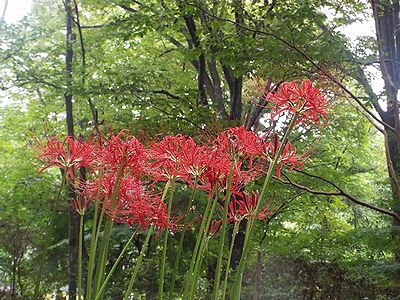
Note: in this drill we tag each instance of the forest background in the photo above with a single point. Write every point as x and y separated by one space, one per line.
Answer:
156 67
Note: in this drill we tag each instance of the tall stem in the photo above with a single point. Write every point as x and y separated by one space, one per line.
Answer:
165 244
237 285
80 242
115 265
228 263
181 239
93 242
223 233
189 274
144 249
103 251
197 266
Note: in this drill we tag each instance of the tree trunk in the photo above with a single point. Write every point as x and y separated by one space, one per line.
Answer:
393 163
387 23
73 217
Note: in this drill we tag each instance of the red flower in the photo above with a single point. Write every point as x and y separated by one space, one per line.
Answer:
234 145
215 226
303 99
119 153
244 207
133 205
68 154
241 142
216 174
81 203
288 156
177 156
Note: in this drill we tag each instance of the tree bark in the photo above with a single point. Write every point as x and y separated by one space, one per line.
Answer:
73 217
201 77
387 23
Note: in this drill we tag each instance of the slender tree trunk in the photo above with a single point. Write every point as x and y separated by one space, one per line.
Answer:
393 163
68 68
387 23
73 217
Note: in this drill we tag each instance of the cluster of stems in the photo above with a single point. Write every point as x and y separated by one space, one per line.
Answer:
221 169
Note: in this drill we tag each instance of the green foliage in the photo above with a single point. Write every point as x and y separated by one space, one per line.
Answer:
139 75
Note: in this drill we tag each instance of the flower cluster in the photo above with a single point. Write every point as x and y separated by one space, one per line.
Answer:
123 173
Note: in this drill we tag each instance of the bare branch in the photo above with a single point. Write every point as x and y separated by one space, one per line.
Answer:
92 26
338 192
162 91
372 121
3 14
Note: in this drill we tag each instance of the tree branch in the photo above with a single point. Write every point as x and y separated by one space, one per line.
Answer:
305 56
339 192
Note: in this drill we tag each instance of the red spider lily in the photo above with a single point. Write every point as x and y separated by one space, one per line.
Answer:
148 210
235 145
288 156
303 99
81 203
177 156
133 205
240 142
215 226
69 154
144 210
119 153
215 176
130 188
244 207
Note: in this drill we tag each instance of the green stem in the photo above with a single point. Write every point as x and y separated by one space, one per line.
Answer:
237 285
189 274
197 266
102 260
48 239
103 252
138 263
144 248
115 265
93 249
223 234
228 263
94 239
92 252
80 242
181 239
165 244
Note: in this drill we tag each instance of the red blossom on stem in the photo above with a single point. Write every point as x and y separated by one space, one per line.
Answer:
177 156
133 205
240 142
303 99
244 207
288 156
121 153
215 226
234 145
69 154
